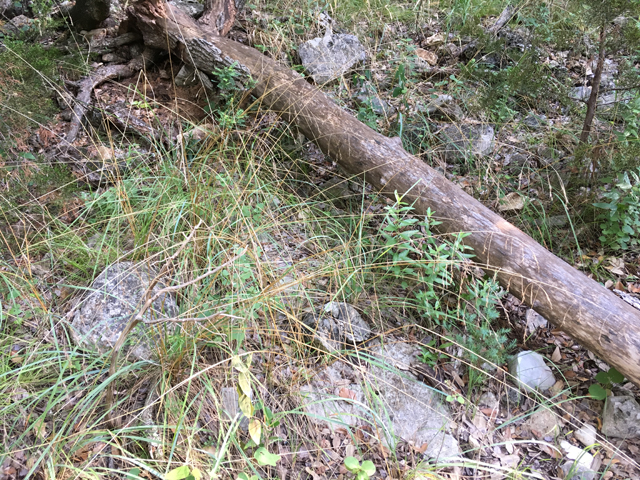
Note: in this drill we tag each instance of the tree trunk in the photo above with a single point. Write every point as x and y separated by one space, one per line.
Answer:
592 103
578 305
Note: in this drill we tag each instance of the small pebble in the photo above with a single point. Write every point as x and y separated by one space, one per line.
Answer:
586 435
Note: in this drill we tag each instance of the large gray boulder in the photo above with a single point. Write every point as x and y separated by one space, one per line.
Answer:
327 58
385 397
114 296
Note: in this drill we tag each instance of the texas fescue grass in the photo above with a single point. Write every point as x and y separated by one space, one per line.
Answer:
301 251
246 191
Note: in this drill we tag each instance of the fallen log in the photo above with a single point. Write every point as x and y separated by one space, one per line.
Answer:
573 302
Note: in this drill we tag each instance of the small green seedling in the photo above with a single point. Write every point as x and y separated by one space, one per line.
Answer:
455 398
245 476
184 473
362 472
430 353
600 390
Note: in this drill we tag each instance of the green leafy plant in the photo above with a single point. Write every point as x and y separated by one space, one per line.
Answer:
245 476
455 398
230 81
605 380
257 433
430 353
478 313
629 112
362 471
620 223
416 257
184 473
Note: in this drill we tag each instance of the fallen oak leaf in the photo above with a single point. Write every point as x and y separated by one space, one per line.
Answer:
346 393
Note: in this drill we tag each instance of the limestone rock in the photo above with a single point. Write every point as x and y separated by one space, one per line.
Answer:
587 435
621 417
531 372
461 141
114 296
443 107
16 25
544 423
579 465
327 58
367 97
386 398
535 122
337 324
535 320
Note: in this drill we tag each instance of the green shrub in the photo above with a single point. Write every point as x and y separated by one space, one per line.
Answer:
421 262
620 220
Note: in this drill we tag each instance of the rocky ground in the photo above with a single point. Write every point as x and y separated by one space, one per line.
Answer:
275 333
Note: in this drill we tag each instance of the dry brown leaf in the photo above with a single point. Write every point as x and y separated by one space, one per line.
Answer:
553 452
346 393
556 356
634 287
511 201
616 265
492 413
422 448
429 57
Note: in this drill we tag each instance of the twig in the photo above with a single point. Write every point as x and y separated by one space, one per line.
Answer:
502 20
135 319
213 316
619 89
86 87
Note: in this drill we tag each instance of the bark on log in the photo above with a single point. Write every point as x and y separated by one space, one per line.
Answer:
578 305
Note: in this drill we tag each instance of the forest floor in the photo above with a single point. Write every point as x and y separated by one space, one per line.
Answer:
211 178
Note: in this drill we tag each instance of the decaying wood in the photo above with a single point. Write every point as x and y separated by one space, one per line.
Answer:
500 22
220 14
120 116
87 85
578 305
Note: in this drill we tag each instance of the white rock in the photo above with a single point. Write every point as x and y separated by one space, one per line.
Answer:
329 57
535 320
586 435
584 459
114 296
531 372
579 465
386 398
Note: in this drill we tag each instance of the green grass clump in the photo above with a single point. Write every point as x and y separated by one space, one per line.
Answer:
28 73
